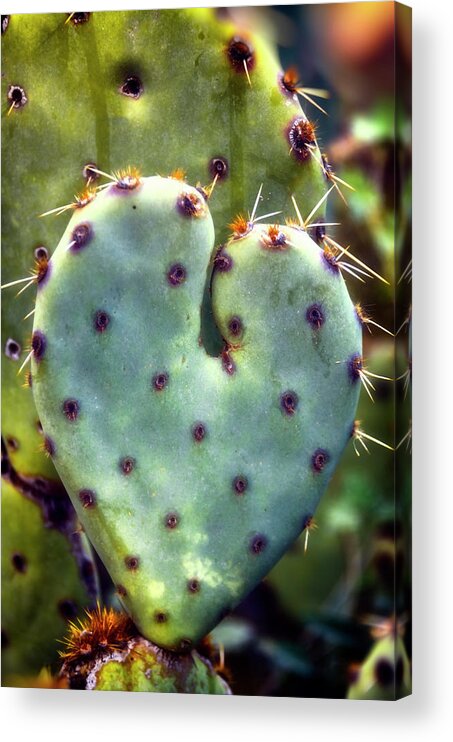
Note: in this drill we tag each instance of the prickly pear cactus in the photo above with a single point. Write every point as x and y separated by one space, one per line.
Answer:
191 473
84 89
48 576
104 652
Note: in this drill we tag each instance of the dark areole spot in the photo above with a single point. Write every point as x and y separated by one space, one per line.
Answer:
17 97
315 316
5 23
176 275
19 563
301 136
289 402
71 409
5 640
132 87
12 349
240 55
41 253
12 444
193 586
198 432
160 617
121 590
235 326
355 366
87 498
240 484
78 18
67 609
222 261
160 381
191 204
319 459
128 179
89 172
218 168
38 344
288 81
384 672
101 321
80 237
171 520
132 562
42 270
258 543
320 233
49 446
127 464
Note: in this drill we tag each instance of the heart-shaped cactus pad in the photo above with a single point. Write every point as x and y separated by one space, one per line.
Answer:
191 474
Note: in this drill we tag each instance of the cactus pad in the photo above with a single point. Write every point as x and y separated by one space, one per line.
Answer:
385 674
48 576
191 473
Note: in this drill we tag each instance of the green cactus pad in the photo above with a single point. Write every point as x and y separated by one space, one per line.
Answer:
385 674
162 89
48 576
105 653
151 673
21 427
191 473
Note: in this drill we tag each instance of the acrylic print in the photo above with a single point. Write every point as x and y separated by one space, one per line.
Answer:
206 360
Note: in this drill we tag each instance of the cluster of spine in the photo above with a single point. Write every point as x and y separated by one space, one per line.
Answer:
104 652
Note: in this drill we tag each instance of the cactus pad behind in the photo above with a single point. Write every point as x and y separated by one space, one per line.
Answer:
191 473
48 576
166 89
